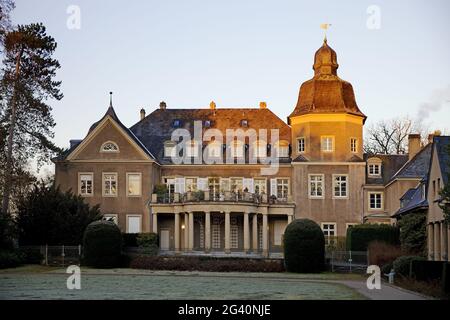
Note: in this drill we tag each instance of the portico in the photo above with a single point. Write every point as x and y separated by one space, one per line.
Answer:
221 227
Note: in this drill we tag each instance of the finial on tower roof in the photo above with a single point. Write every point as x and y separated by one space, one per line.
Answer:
325 27
110 99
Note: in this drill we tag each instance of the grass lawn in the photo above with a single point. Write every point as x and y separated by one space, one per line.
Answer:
37 282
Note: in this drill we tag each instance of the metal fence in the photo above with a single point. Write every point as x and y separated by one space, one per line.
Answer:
348 261
55 255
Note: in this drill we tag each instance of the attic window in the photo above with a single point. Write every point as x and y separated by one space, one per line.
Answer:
176 123
207 123
244 123
375 169
109 146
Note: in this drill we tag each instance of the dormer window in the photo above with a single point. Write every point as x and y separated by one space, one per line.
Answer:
207 124
109 146
374 169
176 123
244 123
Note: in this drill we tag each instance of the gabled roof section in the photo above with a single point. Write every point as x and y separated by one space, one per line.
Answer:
418 166
157 127
111 114
442 145
412 200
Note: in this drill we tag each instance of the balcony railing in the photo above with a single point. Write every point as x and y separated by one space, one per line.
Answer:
210 196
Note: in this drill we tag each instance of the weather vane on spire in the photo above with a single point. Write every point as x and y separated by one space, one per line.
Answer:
325 27
110 98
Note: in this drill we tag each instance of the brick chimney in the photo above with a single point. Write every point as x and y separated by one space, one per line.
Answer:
142 113
263 105
162 105
414 145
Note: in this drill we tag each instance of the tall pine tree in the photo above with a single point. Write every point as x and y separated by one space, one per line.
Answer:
27 84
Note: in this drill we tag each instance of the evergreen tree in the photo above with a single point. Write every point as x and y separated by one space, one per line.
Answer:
25 117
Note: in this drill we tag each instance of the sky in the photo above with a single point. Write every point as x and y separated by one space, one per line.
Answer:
240 52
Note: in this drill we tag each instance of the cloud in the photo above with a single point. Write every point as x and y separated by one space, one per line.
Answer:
439 99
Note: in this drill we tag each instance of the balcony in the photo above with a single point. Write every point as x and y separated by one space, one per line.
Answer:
227 196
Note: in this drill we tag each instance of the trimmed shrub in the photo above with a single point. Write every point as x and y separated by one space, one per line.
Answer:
130 239
381 253
206 264
386 269
148 242
304 246
10 259
102 244
360 236
402 264
426 270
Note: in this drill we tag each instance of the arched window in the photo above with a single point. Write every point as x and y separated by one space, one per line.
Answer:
109 146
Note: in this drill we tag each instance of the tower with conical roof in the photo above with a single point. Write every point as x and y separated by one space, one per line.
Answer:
326 122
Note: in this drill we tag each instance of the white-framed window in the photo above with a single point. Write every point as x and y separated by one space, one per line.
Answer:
192 149
109 184
214 149
316 185
237 149
260 149
111 217
353 145
340 186
326 143
237 184
301 144
282 188
170 149
109 146
260 185
134 184
86 184
329 229
350 225
374 169
191 184
282 149
375 200
134 223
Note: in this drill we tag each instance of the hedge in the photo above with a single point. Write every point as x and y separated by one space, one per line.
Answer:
304 246
206 264
360 236
426 270
402 264
10 259
130 239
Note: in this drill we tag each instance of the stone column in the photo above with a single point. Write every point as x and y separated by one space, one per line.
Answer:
430 241
265 236
290 218
186 232
177 232
246 233
437 241
444 241
255 233
155 223
227 232
207 231
191 231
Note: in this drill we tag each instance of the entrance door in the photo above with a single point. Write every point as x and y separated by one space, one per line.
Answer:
164 241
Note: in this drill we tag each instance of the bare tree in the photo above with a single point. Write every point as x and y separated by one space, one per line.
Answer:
391 136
